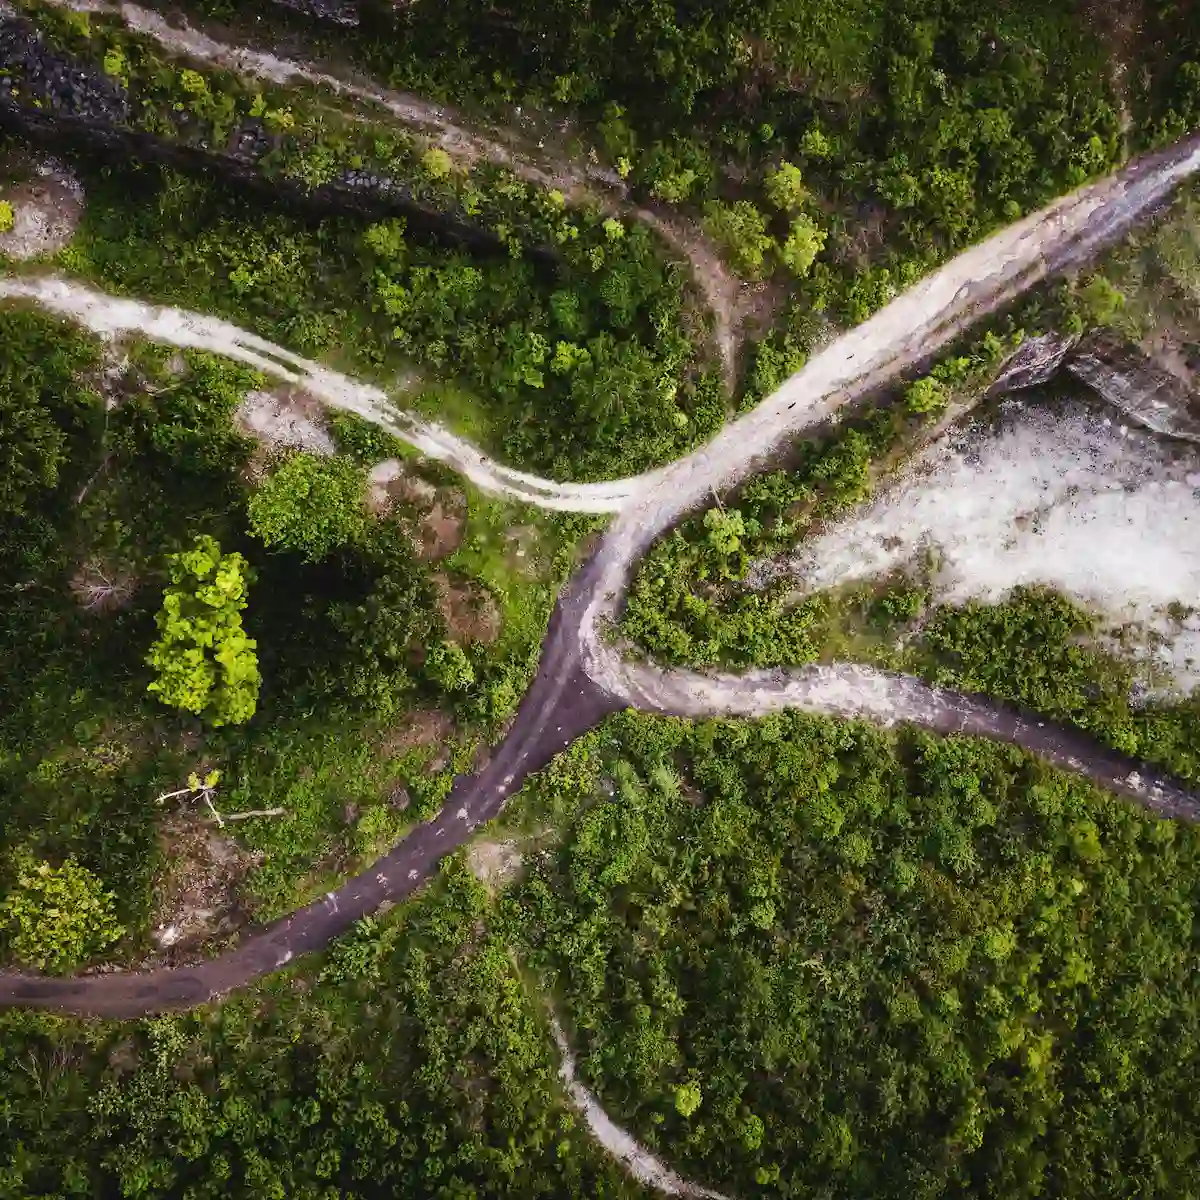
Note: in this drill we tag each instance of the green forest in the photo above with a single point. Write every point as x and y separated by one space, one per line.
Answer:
297 297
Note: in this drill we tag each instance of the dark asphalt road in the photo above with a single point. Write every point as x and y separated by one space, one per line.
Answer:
561 705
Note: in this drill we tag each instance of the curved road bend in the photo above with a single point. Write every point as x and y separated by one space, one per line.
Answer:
560 706
581 676
890 698
112 316
721 291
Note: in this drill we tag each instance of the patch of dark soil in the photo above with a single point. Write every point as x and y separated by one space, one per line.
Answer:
470 613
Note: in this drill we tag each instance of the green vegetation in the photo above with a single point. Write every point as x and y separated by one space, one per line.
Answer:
804 957
204 661
579 370
898 133
56 918
411 1062
914 127
688 603
1148 286
310 506
134 523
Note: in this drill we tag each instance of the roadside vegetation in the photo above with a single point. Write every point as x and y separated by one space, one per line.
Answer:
807 956
843 152
796 956
411 1061
180 601
793 954
904 130
570 371
695 601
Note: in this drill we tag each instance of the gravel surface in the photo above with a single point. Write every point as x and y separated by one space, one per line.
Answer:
620 1143
114 316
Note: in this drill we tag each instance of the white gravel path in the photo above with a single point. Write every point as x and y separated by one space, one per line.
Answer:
637 1160
913 326
114 316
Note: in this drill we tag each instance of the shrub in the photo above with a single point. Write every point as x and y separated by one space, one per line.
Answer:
56 918
804 242
7 217
205 662
742 230
310 506
785 188
436 163
687 1098
925 395
447 663
815 144
1099 300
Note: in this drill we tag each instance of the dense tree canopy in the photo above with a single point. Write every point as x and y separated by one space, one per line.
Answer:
204 661
798 957
808 958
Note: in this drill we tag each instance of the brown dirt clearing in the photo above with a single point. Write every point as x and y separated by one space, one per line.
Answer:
417 728
470 613
197 897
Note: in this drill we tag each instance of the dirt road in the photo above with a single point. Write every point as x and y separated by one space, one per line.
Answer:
581 676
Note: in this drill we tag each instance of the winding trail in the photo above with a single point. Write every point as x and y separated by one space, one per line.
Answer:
889 698
581 676
115 316
725 295
645 1167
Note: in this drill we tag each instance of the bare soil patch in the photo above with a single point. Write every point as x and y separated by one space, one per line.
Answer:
419 727
439 532
522 544
197 899
389 485
285 418
470 613
433 517
46 212
494 862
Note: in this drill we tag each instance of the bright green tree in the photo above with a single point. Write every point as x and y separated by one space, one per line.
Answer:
1100 300
804 242
7 217
448 664
310 506
785 188
55 918
436 163
726 527
204 661
815 144
742 230
687 1098
925 395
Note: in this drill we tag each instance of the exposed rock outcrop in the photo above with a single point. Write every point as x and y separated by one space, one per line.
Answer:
1134 384
1119 372
1036 361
